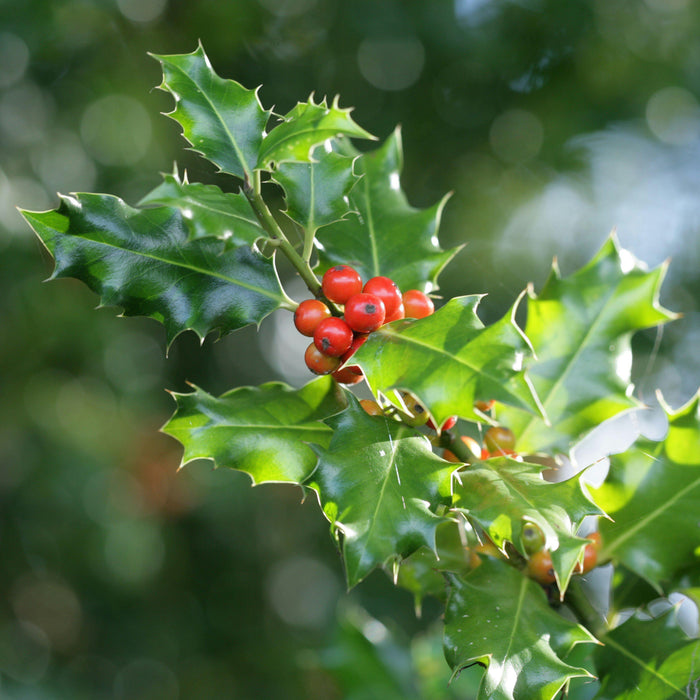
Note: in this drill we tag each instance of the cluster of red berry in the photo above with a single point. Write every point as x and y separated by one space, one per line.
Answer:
365 309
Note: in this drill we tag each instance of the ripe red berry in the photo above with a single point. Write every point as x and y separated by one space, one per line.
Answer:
358 339
417 304
590 554
309 314
447 425
351 374
540 567
339 283
399 312
364 313
318 362
372 408
333 336
387 291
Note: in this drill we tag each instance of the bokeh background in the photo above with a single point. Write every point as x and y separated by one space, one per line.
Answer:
550 122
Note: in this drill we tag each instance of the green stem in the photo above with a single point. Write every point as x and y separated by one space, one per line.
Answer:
452 442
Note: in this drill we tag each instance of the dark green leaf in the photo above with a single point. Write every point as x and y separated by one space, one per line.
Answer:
652 492
449 360
580 328
305 127
650 659
316 192
220 118
262 431
390 237
207 211
377 482
497 617
145 262
502 494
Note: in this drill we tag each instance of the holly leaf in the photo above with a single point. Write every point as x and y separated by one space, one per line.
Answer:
263 431
499 618
316 192
449 360
652 492
651 659
222 120
389 237
377 482
501 495
145 262
580 328
303 128
208 211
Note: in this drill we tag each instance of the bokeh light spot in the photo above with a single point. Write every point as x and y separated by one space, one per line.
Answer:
146 679
14 57
134 551
392 63
116 130
516 136
673 115
287 8
142 10
63 165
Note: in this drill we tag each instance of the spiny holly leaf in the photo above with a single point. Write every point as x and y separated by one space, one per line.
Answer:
449 360
650 659
207 211
144 262
502 494
580 328
652 492
220 118
316 192
390 237
497 617
262 431
303 128
377 482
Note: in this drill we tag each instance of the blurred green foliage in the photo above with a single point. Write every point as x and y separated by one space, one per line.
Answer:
121 578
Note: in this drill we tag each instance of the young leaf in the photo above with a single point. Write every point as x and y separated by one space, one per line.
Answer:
502 494
376 483
144 262
497 617
652 492
220 118
303 128
580 328
650 659
449 360
390 237
316 192
207 211
262 431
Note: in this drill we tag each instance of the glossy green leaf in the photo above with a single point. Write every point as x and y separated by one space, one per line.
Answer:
316 192
306 126
263 431
208 211
652 492
389 237
220 118
377 483
580 328
502 494
497 617
449 360
145 262
650 659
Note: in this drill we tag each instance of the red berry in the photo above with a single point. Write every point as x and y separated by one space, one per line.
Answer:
348 375
399 312
309 314
318 362
333 336
364 312
372 408
340 283
447 425
387 291
417 304
540 567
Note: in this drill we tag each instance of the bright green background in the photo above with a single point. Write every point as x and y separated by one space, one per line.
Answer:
551 122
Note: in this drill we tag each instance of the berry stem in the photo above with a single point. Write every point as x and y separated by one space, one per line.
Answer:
280 241
451 442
